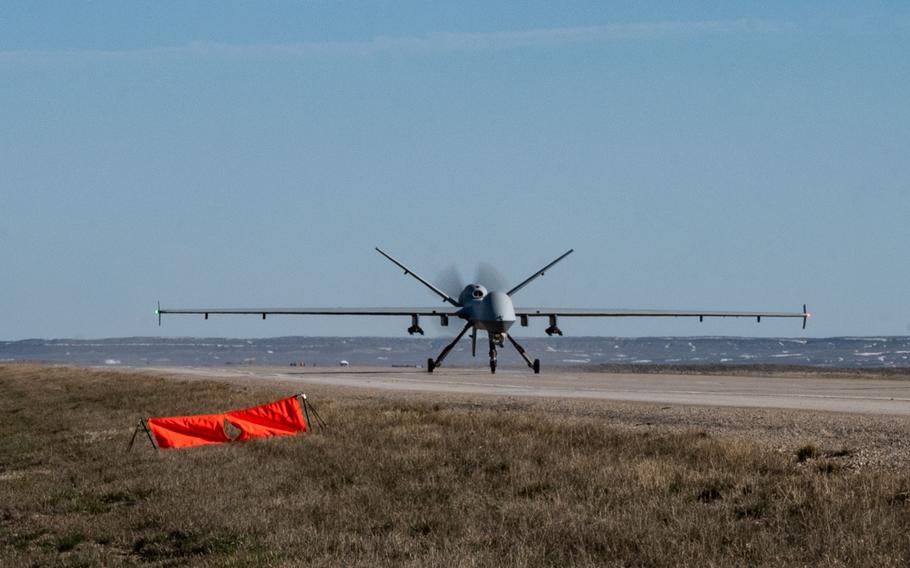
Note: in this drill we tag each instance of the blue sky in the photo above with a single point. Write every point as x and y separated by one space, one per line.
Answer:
721 155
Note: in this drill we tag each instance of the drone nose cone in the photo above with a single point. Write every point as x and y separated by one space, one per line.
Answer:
501 306
494 313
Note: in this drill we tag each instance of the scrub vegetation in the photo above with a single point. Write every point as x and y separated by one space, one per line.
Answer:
420 483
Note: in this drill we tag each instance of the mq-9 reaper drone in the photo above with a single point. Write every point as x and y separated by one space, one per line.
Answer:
484 310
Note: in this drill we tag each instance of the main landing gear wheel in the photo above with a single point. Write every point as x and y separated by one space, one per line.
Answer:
535 364
431 364
493 366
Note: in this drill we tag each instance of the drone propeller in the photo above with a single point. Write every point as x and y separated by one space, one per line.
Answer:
451 281
490 278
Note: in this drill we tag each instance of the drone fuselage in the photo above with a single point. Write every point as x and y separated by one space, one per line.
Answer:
489 311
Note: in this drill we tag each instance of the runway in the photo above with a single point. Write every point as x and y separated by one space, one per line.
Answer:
850 395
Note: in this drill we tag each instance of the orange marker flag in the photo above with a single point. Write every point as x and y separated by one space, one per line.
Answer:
187 431
279 418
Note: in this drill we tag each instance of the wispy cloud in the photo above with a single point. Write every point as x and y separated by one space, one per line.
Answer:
589 34
436 42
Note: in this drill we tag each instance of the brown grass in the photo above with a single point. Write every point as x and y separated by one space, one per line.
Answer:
409 483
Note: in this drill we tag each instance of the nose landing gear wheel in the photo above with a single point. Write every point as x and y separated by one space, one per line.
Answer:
492 355
430 365
536 366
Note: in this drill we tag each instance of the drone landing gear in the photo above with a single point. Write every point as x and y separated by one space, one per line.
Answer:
431 364
524 355
495 340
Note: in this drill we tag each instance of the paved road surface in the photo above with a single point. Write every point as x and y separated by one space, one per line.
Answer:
868 396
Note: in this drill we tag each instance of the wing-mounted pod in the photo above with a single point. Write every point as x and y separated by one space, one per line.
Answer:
415 325
553 329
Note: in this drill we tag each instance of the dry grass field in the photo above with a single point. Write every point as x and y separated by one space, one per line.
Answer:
397 481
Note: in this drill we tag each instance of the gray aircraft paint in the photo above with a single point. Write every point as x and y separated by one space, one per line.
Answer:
481 309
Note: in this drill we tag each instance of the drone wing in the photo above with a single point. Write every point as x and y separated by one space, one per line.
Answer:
443 313
312 311
553 313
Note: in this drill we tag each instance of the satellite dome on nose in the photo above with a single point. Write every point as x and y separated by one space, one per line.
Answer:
471 293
